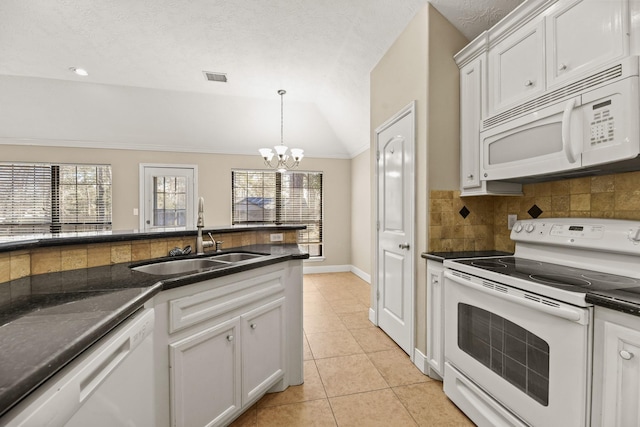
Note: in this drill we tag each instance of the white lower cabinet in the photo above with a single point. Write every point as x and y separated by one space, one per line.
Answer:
205 376
435 318
616 369
221 344
263 349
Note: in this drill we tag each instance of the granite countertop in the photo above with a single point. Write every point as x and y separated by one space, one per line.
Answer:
441 256
66 312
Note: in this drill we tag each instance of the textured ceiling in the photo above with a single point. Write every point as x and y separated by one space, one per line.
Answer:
321 52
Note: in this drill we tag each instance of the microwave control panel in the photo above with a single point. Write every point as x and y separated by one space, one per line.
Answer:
602 123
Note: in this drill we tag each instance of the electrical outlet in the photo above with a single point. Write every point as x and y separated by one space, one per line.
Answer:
511 221
276 237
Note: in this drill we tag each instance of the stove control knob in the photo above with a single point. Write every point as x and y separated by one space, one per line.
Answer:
517 228
634 235
529 228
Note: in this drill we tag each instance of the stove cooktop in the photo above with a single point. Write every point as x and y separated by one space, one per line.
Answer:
569 279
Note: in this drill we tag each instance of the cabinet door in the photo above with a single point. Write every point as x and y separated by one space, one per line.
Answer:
435 316
621 376
205 376
263 349
470 114
582 35
516 67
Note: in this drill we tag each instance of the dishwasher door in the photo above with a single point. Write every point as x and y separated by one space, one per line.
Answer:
111 384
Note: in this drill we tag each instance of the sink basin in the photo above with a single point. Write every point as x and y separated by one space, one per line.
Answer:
180 266
235 257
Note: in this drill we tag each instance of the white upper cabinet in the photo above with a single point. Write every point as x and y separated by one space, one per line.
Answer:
517 67
582 35
470 114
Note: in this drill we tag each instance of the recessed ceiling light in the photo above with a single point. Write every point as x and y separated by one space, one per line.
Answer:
79 71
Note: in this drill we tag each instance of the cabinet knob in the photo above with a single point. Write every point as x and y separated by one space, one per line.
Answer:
254 325
626 355
528 83
562 67
230 338
470 176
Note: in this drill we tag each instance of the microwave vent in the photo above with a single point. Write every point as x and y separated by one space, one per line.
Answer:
554 96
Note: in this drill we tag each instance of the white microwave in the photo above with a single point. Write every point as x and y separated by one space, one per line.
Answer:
593 130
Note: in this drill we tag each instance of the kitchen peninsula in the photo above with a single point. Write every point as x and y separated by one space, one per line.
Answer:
59 296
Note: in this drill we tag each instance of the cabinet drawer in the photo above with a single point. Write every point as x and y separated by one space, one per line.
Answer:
190 310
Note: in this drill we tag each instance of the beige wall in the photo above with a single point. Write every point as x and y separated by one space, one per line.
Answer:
419 66
214 183
361 212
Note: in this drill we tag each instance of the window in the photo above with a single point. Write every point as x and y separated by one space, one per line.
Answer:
52 198
266 197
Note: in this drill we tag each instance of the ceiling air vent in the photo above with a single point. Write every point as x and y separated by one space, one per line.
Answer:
215 77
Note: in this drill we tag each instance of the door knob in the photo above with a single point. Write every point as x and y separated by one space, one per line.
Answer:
404 246
626 355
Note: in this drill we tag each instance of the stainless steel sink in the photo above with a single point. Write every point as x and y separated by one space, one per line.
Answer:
235 257
180 266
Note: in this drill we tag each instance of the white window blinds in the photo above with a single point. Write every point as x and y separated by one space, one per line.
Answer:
281 198
25 199
54 198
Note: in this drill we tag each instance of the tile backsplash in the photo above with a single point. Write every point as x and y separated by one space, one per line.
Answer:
17 264
480 222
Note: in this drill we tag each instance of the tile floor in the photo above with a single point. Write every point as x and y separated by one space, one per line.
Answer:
354 374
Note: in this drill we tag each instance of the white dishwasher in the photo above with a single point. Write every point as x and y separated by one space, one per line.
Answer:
109 385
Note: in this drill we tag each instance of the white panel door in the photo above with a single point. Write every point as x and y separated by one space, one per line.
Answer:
395 276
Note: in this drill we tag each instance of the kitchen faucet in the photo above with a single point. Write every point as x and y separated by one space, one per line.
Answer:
200 245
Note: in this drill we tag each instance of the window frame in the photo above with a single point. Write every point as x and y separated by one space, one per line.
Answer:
280 208
53 221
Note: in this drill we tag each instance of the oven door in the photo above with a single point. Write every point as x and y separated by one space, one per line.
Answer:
526 353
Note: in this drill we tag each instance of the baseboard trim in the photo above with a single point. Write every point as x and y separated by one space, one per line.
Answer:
372 316
361 274
420 360
311 269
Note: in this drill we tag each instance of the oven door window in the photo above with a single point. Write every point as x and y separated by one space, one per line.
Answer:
517 355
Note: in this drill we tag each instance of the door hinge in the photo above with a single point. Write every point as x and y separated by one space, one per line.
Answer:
377 295
378 225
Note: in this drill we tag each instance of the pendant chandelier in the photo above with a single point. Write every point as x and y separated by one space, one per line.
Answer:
285 161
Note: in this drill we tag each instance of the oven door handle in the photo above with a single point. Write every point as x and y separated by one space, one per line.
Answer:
568 313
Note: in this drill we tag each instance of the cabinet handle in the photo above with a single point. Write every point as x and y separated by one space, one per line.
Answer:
230 338
254 325
528 83
626 355
562 67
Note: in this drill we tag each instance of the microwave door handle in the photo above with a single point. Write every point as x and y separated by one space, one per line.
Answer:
566 131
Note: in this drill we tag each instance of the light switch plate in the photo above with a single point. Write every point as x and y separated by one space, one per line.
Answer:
276 237
511 221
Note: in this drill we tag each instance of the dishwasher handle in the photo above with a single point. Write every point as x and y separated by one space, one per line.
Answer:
574 314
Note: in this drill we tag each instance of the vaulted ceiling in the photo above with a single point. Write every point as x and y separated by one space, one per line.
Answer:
320 51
